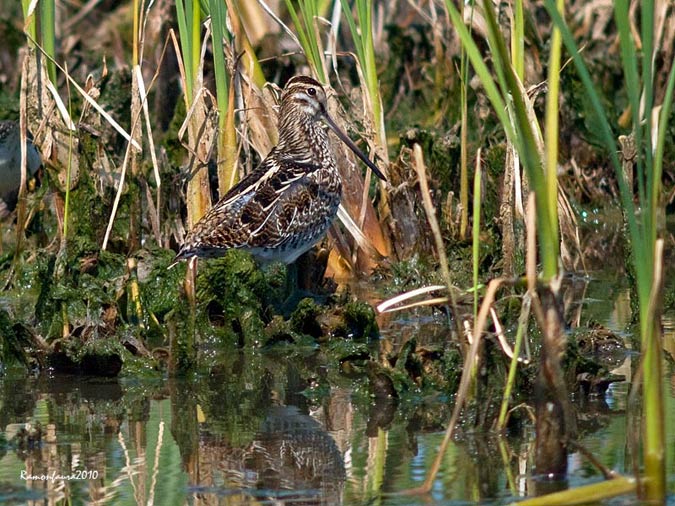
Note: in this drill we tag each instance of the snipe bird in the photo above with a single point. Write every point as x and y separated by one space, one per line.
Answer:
285 206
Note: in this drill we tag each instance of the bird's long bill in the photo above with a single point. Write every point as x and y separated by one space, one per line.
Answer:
344 138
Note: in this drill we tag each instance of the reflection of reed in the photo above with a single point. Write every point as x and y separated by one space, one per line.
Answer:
155 467
135 469
130 469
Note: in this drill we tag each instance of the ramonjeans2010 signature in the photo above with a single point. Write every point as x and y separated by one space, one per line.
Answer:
80 474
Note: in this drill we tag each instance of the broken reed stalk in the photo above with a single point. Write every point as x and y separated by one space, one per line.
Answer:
151 146
475 246
134 307
420 169
555 420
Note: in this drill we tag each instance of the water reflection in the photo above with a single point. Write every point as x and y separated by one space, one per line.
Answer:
266 428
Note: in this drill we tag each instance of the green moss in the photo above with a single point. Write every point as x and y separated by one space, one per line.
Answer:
161 288
116 95
14 345
352 356
280 331
304 318
174 148
234 291
452 364
100 356
359 321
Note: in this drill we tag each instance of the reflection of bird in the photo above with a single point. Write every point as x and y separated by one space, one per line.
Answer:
285 206
10 164
294 452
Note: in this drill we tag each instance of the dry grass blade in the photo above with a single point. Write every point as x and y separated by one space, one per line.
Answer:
420 168
361 239
388 305
61 107
23 135
279 21
501 338
436 301
118 196
153 156
89 99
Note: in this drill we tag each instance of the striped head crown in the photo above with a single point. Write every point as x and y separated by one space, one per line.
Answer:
304 94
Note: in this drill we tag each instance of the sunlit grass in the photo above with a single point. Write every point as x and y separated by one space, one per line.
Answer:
188 14
308 34
509 102
227 139
643 231
361 30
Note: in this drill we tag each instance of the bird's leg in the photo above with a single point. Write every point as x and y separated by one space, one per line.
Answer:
297 285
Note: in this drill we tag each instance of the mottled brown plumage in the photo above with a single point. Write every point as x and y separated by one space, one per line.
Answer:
285 206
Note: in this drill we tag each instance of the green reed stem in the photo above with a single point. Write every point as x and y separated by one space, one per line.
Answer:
196 35
547 229
523 137
481 69
464 138
513 366
218 11
552 128
226 137
643 232
308 35
518 40
362 36
29 21
48 34
188 15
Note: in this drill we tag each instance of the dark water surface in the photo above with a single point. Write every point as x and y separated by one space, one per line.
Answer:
250 432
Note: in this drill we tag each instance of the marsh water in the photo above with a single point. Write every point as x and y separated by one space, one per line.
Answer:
251 431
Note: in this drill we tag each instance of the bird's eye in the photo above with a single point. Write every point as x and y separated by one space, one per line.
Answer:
311 92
